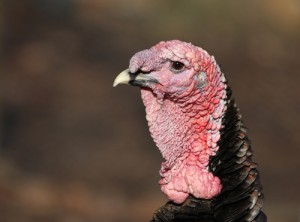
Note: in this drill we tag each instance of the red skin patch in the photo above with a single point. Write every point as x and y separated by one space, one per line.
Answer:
184 121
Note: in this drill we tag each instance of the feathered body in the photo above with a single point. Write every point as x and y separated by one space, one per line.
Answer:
208 174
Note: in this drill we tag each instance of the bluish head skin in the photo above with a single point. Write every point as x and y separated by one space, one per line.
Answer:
173 67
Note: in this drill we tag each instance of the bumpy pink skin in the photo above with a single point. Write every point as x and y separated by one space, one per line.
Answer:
184 118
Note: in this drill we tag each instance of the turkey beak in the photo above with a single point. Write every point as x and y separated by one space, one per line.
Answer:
134 79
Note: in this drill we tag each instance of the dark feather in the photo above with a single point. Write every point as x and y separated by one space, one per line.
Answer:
241 198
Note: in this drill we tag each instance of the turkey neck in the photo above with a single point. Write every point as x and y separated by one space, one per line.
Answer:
180 130
186 134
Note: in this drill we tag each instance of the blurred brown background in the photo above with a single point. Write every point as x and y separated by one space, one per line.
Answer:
72 148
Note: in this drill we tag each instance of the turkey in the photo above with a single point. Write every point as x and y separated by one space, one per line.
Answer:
208 173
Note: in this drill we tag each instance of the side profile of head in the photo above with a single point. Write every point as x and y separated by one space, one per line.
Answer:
184 93
172 69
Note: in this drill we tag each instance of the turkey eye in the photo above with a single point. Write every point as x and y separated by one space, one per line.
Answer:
177 66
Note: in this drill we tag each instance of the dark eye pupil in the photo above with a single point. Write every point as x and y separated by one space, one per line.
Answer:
177 65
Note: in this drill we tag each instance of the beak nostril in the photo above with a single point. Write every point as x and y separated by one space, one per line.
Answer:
140 71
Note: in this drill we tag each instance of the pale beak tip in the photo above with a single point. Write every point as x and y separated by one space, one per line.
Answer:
122 78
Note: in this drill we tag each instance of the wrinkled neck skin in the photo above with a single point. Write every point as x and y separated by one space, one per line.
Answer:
186 131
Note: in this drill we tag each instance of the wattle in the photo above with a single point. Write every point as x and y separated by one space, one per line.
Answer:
186 135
